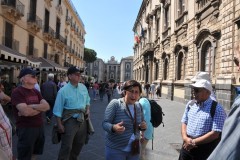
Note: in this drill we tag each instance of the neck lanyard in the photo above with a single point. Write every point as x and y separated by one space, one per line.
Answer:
135 117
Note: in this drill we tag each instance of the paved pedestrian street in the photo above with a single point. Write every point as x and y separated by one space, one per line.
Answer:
165 145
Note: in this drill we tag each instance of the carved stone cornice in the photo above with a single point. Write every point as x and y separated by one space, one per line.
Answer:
48 3
59 10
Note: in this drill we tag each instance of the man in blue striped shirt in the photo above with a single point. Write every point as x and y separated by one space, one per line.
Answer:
201 130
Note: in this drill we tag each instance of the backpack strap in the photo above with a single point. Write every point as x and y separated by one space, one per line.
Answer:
213 108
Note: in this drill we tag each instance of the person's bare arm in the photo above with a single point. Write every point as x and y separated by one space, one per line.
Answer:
61 128
4 98
187 141
25 110
207 138
42 107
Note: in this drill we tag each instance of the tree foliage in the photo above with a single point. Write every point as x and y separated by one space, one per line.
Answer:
89 55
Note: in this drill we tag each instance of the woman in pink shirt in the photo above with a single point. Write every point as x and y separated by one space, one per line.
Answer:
95 90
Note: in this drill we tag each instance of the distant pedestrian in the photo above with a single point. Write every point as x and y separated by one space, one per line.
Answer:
158 91
36 85
28 106
109 91
95 90
200 129
61 83
122 122
102 87
148 133
152 90
49 93
72 109
147 89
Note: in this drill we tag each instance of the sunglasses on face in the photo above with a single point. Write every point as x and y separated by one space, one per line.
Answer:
197 90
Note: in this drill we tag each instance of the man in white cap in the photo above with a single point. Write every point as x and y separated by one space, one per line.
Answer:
204 75
202 123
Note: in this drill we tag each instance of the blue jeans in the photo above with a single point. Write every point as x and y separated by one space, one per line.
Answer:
114 154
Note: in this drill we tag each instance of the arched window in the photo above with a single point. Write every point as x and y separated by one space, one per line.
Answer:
207 57
157 69
165 69
180 66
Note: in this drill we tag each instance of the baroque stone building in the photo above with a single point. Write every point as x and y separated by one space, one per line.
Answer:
112 69
96 70
177 38
126 65
47 35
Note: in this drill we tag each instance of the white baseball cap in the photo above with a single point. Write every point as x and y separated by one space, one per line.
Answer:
203 83
201 75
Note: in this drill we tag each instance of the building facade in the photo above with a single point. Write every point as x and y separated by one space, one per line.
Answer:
177 38
111 70
47 35
126 66
96 70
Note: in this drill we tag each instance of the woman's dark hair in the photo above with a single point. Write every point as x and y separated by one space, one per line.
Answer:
132 83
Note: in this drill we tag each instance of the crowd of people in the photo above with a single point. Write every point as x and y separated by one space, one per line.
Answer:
207 131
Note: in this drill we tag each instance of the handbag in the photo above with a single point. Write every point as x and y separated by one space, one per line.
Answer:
135 147
56 136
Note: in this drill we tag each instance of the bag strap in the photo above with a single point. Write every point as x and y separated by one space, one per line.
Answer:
213 108
134 119
6 134
141 111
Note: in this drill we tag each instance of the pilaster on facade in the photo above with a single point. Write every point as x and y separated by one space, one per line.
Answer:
48 3
59 10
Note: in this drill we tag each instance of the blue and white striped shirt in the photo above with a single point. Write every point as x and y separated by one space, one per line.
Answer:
116 112
199 121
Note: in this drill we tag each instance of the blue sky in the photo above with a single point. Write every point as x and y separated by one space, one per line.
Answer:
109 24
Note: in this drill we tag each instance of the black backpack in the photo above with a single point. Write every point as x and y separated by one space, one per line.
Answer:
156 113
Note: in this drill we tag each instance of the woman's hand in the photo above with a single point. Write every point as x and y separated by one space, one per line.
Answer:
118 128
143 126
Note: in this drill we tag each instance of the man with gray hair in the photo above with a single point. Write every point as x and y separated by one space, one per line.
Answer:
49 93
28 106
